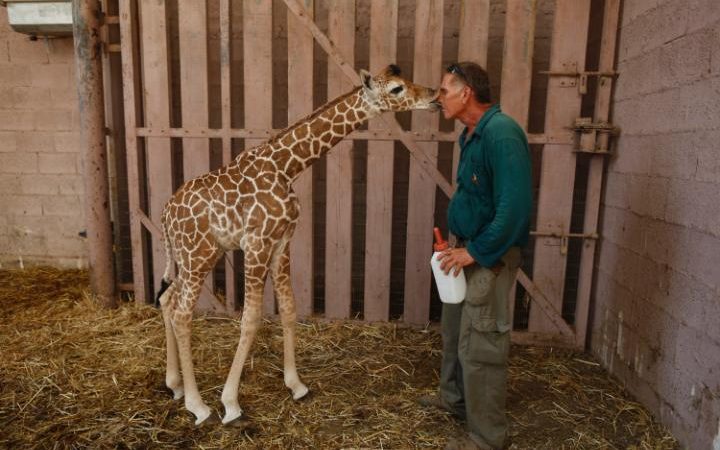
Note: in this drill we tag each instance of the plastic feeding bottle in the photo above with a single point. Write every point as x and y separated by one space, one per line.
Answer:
451 288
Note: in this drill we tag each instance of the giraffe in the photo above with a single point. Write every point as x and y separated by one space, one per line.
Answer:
250 205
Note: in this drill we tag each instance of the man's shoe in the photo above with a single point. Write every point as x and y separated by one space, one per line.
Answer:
436 401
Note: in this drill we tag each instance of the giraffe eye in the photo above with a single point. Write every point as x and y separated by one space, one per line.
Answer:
396 90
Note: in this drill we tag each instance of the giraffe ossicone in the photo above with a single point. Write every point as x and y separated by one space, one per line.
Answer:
249 204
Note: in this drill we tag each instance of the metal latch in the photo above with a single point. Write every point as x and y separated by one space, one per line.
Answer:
593 136
572 75
565 237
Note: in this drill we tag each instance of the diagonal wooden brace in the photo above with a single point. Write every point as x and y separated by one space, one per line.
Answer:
426 163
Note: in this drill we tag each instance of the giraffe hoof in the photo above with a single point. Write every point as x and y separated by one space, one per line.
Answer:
176 394
301 393
210 420
241 423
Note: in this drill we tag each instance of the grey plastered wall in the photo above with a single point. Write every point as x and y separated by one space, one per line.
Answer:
656 321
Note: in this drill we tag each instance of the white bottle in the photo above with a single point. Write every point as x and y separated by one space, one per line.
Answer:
451 288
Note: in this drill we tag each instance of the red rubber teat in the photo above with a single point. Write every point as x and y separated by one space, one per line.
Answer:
440 243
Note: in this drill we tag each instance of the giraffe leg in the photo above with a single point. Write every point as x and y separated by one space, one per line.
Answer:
173 379
256 269
181 320
286 305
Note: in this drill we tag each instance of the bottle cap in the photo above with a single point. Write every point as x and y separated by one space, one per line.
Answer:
440 243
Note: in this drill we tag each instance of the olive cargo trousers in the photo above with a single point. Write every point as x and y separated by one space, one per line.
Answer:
476 342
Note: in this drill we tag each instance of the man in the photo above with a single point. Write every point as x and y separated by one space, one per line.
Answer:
490 215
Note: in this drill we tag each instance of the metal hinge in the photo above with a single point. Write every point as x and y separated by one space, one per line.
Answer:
593 137
573 77
565 237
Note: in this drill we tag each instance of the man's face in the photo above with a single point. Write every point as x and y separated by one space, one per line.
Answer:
452 95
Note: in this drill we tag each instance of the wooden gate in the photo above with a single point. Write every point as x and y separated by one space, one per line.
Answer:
184 114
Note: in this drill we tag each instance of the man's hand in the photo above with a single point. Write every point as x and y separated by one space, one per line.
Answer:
454 259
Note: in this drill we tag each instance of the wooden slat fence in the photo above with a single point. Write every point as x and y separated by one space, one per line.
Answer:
148 83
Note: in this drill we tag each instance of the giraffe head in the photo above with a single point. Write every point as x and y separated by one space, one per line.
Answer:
387 91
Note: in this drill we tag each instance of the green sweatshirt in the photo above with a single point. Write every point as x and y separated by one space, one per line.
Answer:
491 207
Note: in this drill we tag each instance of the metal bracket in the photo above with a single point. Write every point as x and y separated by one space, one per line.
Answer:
572 75
593 137
565 237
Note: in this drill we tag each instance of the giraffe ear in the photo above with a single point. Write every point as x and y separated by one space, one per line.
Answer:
366 79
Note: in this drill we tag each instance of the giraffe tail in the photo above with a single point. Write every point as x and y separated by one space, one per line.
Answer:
165 282
163 287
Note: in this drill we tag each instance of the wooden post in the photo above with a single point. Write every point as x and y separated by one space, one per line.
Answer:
131 98
156 89
257 70
300 103
518 59
192 30
226 114
472 46
421 188
338 242
557 177
378 219
595 174
517 74
88 63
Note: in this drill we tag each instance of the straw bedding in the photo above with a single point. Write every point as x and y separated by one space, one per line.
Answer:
73 375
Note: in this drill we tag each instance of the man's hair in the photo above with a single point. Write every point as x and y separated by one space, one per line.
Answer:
474 76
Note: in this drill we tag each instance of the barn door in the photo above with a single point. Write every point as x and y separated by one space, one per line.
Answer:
194 102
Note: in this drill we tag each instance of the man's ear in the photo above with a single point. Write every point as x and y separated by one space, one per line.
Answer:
366 79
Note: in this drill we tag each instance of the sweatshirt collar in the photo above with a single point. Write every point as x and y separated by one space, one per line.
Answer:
494 109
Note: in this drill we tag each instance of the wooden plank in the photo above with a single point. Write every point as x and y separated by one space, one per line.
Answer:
257 72
570 30
515 83
421 188
131 99
595 174
472 46
156 91
547 307
518 59
378 218
225 106
300 103
192 30
426 163
564 138
338 237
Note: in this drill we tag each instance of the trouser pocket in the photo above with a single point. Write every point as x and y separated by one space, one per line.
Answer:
481 342
487 345
481 289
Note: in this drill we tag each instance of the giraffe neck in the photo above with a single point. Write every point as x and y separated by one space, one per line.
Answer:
297 147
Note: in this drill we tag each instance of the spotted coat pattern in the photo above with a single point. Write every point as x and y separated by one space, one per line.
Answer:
250 205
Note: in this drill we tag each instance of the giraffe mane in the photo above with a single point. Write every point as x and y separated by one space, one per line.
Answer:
313 115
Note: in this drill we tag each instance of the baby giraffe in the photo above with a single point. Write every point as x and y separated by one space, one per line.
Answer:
250 205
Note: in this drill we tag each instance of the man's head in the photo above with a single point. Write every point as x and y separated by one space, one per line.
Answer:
463 84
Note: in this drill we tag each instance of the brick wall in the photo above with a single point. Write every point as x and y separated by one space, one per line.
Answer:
41 187
657 294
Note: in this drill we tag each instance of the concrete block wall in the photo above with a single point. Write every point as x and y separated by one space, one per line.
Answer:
657 292
41 186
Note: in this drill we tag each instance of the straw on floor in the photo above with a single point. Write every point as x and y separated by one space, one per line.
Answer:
74 375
